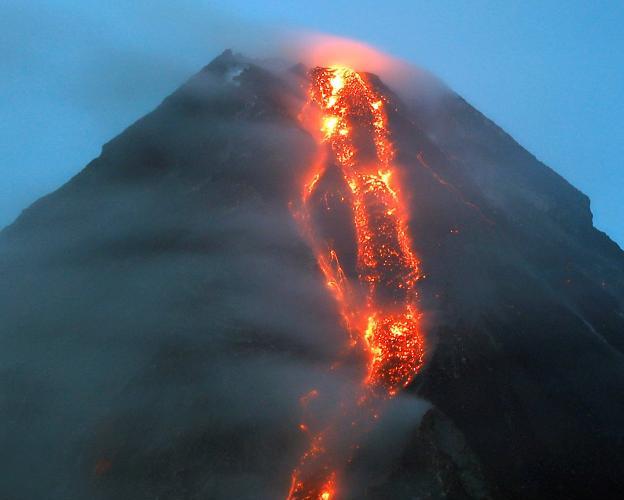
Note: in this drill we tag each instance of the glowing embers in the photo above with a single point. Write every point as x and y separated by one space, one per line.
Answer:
304 491
396 349
377 299
387 319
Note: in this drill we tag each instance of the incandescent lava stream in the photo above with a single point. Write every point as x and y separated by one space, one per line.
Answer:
378 301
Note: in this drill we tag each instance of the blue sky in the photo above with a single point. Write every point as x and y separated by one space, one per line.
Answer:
75 73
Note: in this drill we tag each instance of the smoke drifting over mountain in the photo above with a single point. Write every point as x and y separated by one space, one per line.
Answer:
84 73
163 315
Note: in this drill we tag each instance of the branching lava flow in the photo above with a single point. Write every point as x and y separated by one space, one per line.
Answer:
380 306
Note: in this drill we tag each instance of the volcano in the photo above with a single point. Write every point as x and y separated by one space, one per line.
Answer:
305 283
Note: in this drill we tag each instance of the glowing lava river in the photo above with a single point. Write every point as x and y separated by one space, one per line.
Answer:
378 300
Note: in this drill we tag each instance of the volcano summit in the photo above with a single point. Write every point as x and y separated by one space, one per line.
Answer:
300 282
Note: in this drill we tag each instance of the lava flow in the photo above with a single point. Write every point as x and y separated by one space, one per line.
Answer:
378 301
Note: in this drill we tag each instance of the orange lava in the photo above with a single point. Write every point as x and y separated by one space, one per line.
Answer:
380 307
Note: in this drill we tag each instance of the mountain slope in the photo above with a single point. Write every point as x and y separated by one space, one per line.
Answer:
163 315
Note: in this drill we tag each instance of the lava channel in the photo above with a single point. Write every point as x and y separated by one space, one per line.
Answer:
378 301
